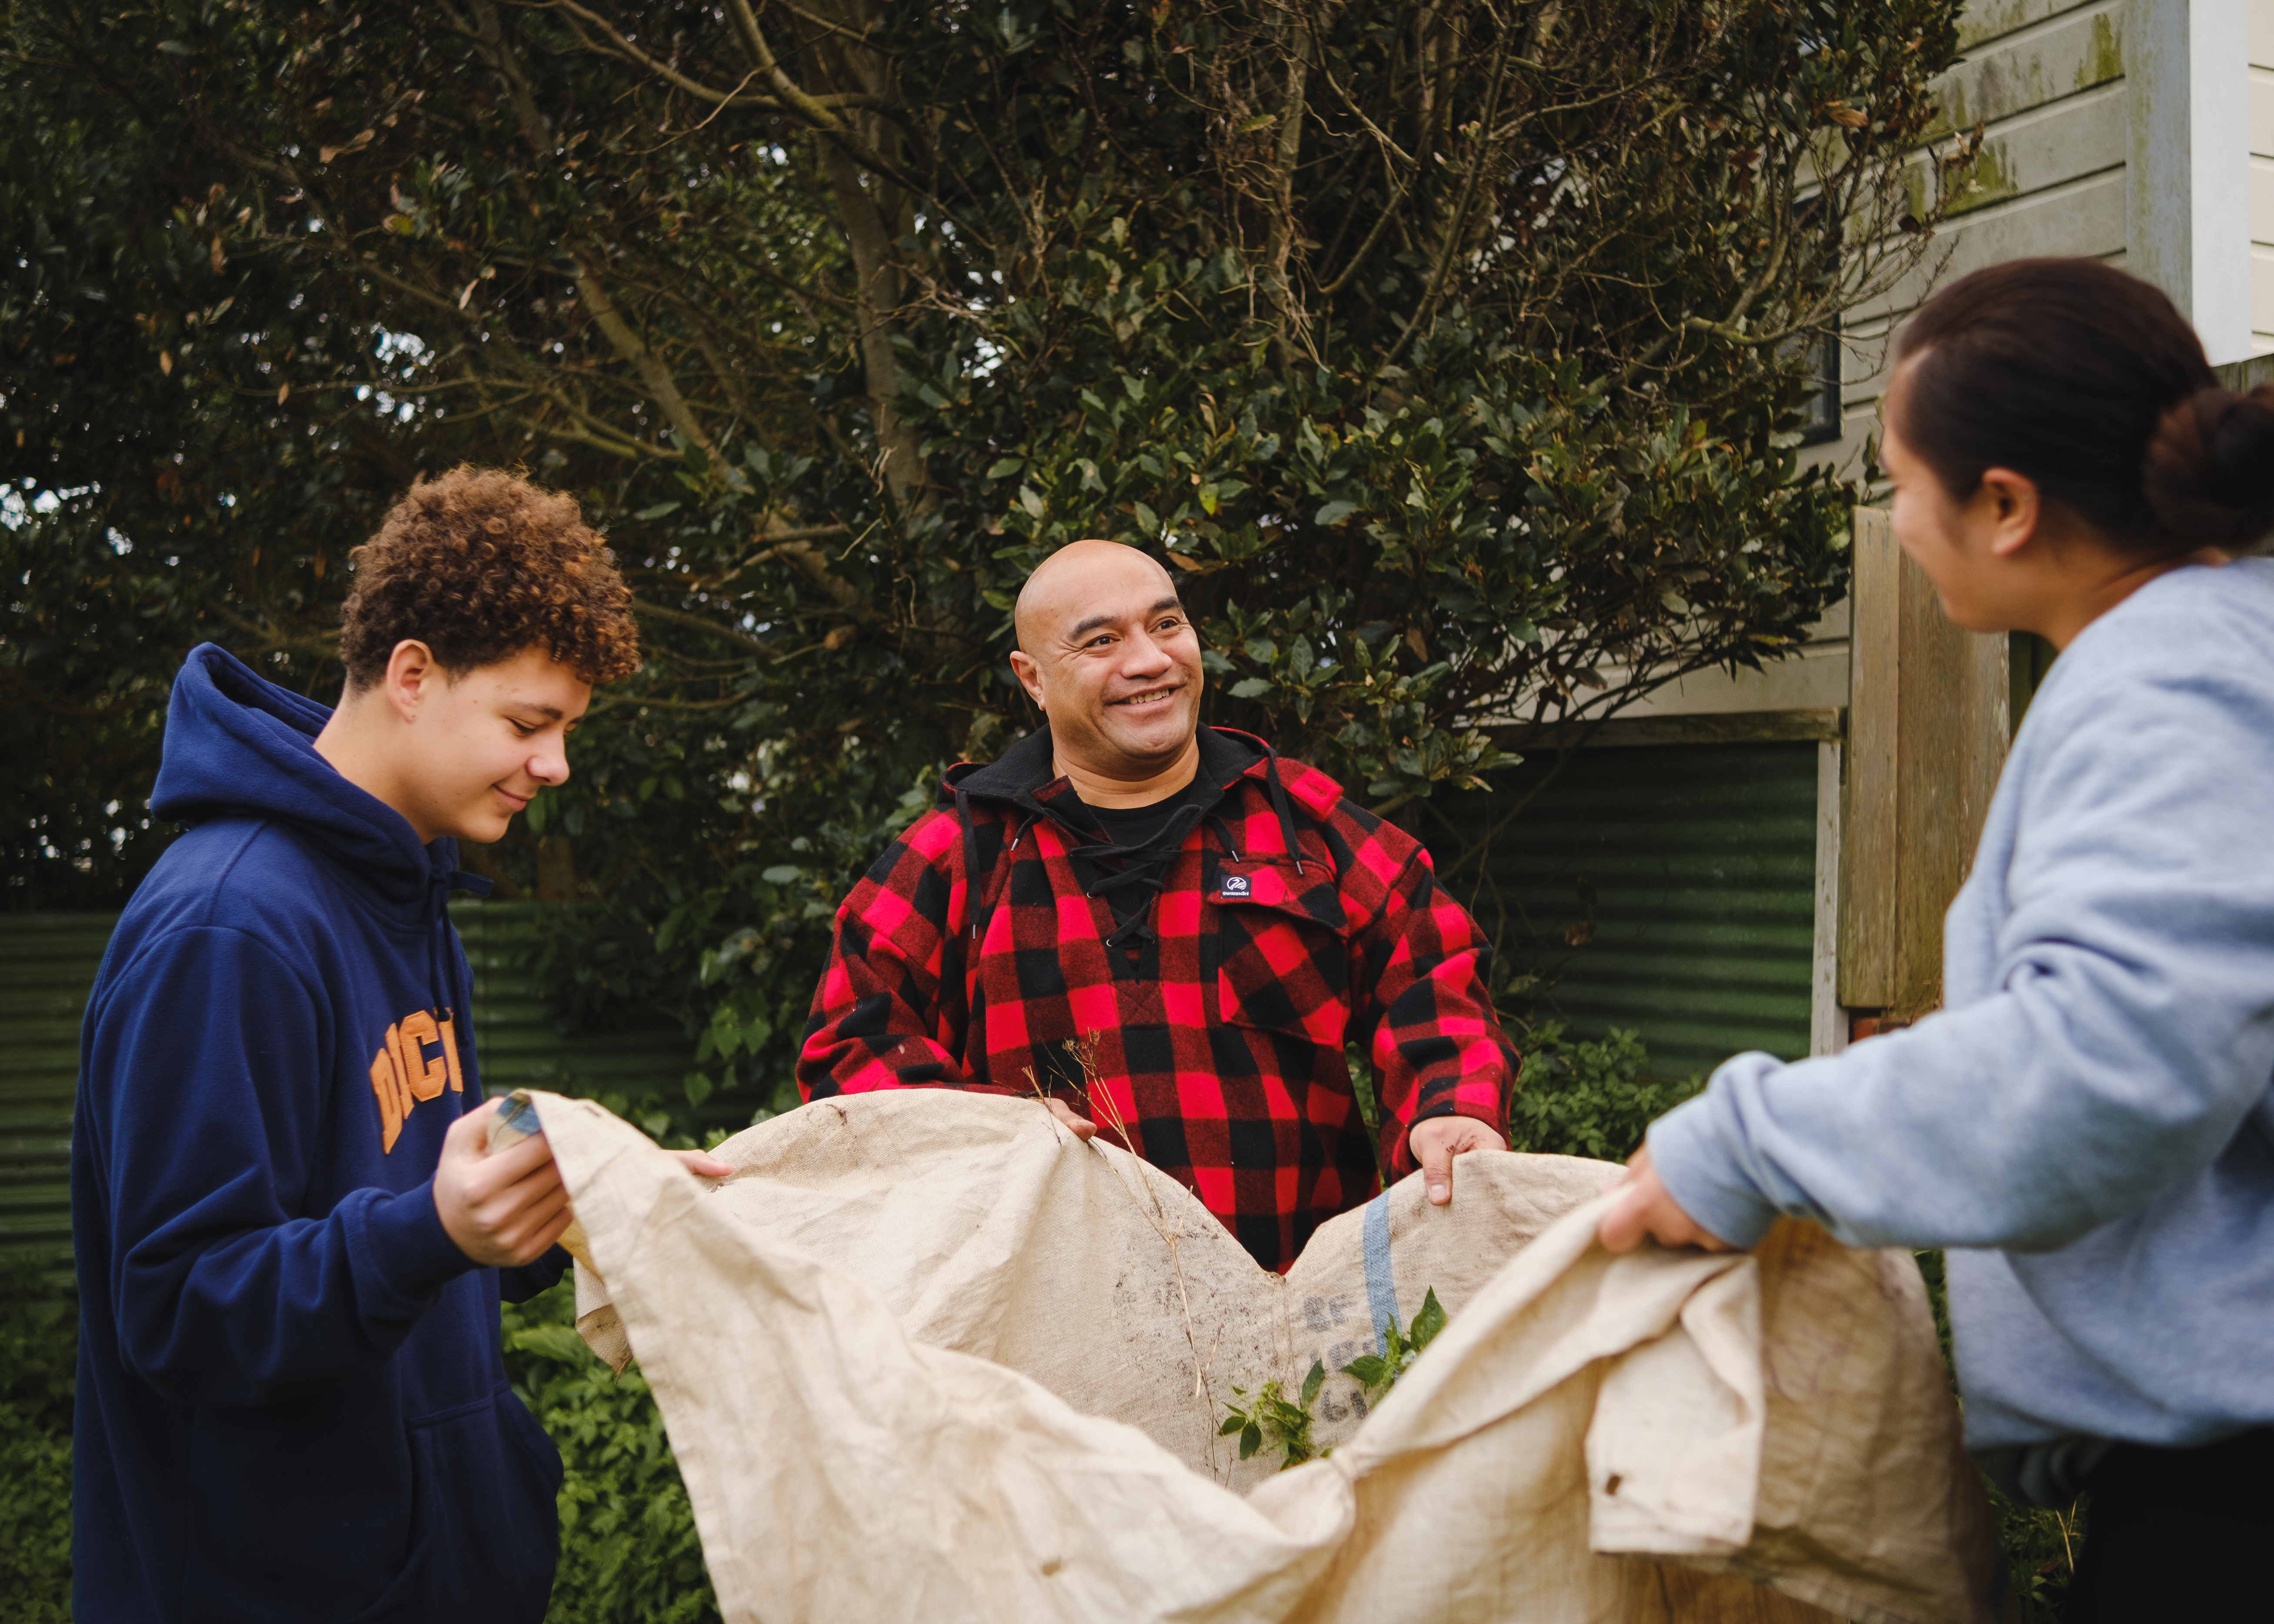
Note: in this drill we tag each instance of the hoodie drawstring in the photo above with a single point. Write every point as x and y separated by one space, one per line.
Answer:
1279 805
973 875
951 967
1223 837
970 860
443 878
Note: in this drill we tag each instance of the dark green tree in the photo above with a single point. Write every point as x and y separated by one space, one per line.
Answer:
1450 351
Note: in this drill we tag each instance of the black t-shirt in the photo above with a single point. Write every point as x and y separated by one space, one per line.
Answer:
1135 826
1132 829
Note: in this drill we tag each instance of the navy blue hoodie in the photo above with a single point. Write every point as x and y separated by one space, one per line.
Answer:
291 1403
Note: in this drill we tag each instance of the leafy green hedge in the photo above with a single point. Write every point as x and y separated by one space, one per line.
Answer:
1588 1099
39 1348
628 1554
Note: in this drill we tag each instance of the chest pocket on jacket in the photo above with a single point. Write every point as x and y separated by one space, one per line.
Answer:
1275 938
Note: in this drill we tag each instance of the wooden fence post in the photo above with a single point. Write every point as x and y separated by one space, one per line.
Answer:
1928 721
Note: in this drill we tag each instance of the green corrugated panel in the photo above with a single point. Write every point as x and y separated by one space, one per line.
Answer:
47 963
1702 859
521 1046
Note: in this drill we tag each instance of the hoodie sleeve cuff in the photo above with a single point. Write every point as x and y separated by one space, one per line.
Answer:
1692 1152
518 1285
414 1255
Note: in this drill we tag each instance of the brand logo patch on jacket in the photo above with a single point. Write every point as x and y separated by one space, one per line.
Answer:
402 1073
1276 883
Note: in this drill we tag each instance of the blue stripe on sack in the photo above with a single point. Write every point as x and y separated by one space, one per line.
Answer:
1380 1284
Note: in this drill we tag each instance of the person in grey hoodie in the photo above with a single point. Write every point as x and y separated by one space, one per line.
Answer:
2087 1123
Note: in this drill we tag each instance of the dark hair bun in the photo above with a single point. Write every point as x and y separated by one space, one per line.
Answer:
2208 474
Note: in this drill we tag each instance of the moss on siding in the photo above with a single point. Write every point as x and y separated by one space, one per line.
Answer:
2001 83
1990 180
2104 60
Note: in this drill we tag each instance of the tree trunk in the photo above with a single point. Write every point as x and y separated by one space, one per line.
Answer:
556 869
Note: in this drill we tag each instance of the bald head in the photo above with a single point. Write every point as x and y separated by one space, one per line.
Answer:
1105 651
1077 580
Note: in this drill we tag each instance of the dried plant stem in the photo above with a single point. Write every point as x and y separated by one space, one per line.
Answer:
1094 1088
1085 1056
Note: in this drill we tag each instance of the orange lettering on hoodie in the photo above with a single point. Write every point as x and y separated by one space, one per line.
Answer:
390 1105
401 1075
450 1054
424 1076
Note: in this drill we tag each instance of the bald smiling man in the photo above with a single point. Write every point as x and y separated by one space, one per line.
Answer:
1212 926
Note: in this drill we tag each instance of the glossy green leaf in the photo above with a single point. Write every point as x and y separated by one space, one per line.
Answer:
1429 1321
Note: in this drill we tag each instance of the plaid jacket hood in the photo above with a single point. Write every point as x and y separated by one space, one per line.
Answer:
1207 1030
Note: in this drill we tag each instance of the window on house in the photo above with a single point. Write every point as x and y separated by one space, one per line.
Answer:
1820 411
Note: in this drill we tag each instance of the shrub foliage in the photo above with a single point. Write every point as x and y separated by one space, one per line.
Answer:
1449 353
39 1350
629 1550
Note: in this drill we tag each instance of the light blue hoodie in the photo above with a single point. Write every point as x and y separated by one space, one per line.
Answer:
2088 1117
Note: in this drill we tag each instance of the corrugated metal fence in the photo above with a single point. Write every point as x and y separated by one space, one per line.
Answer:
48 962
1700 861
518 1045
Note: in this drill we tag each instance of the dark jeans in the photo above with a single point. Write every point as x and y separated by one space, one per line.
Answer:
2173 1534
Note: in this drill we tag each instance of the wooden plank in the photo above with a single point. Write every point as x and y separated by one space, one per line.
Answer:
1928 717
1867 866
1827 1027
1953 694
2244 376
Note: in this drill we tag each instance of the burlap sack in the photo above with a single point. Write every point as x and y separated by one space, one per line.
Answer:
926 1357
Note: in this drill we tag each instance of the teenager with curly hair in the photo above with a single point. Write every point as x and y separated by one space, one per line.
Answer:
290 1242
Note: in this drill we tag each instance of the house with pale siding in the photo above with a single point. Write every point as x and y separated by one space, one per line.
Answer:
1763 860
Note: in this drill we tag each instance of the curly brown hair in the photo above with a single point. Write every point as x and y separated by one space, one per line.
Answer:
479 565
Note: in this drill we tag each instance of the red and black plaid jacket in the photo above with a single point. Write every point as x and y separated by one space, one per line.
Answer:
1288 924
